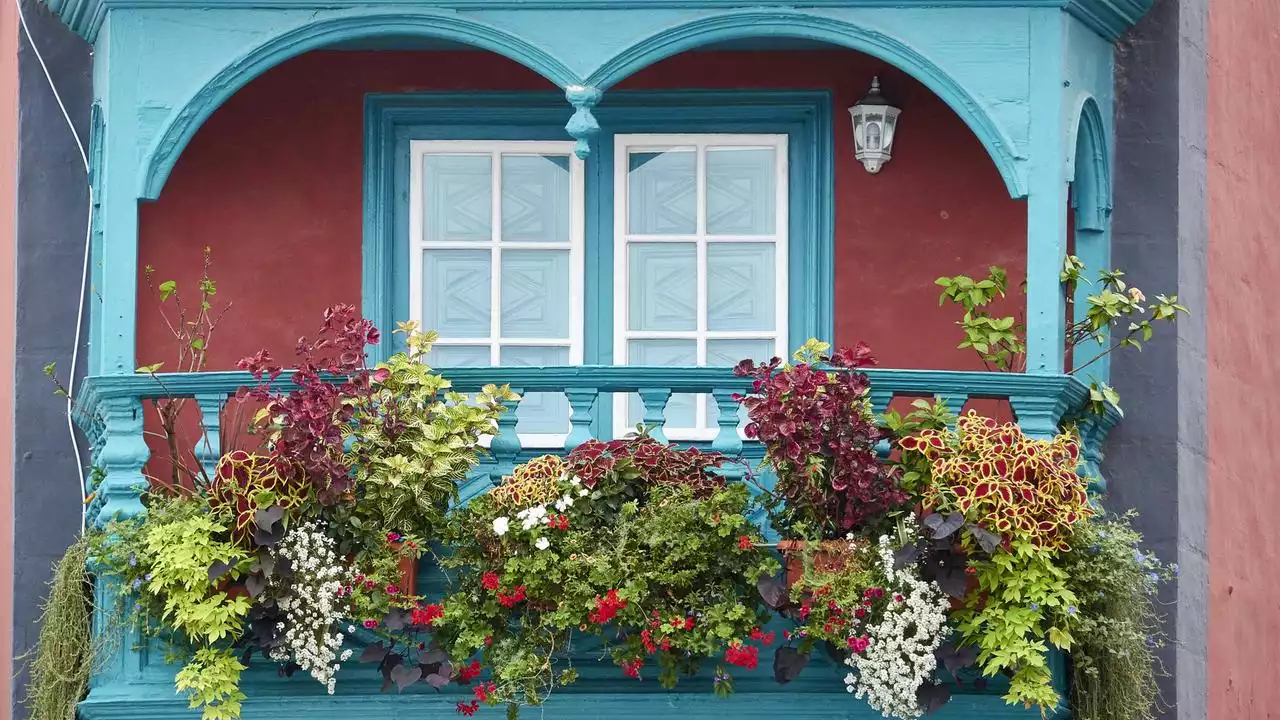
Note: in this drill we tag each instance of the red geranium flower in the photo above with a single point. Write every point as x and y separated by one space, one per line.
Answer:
490 581
468 709
744 542
426 615
747 656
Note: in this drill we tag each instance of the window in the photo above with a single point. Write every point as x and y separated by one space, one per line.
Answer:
700 260
704 216
496 261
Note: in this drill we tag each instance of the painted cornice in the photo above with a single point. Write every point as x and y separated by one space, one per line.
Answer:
1109 18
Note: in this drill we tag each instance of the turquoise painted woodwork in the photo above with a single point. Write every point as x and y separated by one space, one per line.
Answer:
391 121
158 76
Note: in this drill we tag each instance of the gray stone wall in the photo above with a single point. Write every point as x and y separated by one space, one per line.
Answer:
51 216
1156 458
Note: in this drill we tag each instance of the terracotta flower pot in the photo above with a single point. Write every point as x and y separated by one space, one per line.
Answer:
829 556
408 571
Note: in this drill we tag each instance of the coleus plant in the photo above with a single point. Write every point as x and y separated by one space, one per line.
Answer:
815 420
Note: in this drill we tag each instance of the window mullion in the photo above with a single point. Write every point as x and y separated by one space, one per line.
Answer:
495 259
700 183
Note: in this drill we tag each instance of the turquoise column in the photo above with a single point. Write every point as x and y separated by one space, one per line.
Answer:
1046 196
116 70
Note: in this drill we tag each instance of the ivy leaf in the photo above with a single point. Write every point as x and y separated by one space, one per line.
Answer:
373 653
932 697
217 570
787 664
405 675
773 592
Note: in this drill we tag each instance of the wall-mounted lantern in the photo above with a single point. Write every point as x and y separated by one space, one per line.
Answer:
874 122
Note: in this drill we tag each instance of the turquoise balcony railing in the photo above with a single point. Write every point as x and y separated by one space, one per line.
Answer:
113 407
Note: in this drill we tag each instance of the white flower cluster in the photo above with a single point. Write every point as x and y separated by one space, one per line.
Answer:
899 657
537 515
531 517
310 608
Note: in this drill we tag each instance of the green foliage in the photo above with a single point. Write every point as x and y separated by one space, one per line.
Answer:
1022 606
1114 665
999 341
163 562
65 654
669 574
414 440
211 680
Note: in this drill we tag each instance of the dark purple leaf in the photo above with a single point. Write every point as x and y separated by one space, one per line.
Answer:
266 518
373 653
394 619
255 584
932 697
773 592
437 680
906 556
943 526
217 570
787 664
987 540
405 675
434 655
955 659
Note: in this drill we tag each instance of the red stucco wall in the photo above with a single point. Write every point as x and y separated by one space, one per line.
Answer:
1243 344
273 184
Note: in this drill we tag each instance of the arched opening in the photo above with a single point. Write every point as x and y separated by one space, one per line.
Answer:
1091 224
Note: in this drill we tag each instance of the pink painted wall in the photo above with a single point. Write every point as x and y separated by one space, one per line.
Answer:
8 239
1243 344
273 184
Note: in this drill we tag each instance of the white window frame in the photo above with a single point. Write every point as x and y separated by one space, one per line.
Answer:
622 333
496 149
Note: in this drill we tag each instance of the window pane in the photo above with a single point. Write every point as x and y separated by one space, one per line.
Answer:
457 198
539 413
535 198
727 353
662 192
455 292
741 187
451 356
535 294
663 286
665 353
741 290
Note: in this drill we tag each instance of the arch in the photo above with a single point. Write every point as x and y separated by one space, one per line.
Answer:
182 125
790 23
1090 167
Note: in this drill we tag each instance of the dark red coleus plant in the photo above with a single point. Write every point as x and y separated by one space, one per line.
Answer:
816 423
329 378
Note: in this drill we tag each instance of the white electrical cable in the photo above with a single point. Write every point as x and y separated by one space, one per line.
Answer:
84 271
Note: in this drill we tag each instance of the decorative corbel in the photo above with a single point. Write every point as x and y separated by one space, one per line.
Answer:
582 126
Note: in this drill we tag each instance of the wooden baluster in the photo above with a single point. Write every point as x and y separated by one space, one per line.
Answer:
655 411
505 445
124 453
727 442
581 401
209 449
954 401
1039 415
880 400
